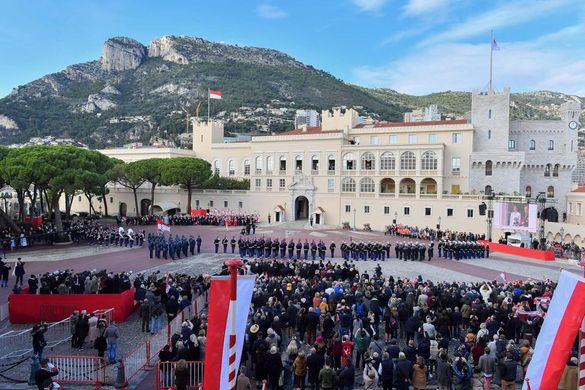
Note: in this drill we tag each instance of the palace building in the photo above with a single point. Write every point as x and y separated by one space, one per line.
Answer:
354 172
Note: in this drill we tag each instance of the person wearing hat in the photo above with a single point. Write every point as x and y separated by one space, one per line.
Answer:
570 378
274 367
44 374
19 272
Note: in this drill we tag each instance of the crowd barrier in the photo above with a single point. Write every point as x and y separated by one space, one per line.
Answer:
12 345
536 254
165 375
32 308
89 370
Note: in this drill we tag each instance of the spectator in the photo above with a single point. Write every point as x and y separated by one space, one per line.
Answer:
111 335
419 374
181 375
300 370
243 382
44 374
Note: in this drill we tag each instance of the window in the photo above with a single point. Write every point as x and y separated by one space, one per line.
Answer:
282 164
216 167
490 113
449 212
282 183
269 164
231 168
455 189
550 192
330 185
373 140
489 134
246 167
111 199
427 211
407 211
488 190
210 203
348 208
315 163
412 139
532 144
432 138
488 168
387 161
551 145
331 163
456 164
356 140
429 160
268 183
240 204
570 208
386 209
298 163
258 183
225 203
578 208
469 213
366 209
79 198
511 144
367 185
347 184
197 203
407 161
528 191
393 140
547 170
456 138
368 161
258 164
556 170
349 162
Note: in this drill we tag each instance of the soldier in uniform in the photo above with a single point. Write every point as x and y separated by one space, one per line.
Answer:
192 245
233 244
313 250
224 242
198 241
298 247
216 243
282 248
306 249
332 249
291 249
430 250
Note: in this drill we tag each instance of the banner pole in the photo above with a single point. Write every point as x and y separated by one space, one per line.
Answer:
233 265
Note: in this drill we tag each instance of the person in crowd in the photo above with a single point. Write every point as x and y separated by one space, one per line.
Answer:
45 373
181 374
38 339
111 334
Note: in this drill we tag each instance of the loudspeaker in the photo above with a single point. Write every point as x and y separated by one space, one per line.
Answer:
491 214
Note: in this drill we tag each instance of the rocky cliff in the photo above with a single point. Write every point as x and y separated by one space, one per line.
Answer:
122 53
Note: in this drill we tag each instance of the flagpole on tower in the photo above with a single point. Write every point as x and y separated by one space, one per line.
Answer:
491 57
209 101
233 265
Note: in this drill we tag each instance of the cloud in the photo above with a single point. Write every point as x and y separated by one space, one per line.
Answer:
268 11
405 34
540 64
511 13
420 7
369 5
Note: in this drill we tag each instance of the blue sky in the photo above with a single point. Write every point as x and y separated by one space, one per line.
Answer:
413 46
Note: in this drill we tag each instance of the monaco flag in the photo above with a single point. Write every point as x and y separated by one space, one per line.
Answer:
162 227
216 351
214 94
559 330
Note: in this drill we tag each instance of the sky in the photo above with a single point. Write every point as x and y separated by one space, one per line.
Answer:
412 46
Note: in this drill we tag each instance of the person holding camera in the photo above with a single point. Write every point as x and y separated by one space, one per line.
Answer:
370 376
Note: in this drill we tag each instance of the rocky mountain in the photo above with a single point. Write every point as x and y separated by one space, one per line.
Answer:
134 92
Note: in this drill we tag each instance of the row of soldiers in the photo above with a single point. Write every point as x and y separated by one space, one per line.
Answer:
459 250
268 248
96 234
174 247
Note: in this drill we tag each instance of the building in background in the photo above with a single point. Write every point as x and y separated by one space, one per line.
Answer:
428 114
309 118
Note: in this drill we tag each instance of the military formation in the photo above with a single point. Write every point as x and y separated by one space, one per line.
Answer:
460 250
173 247
96 234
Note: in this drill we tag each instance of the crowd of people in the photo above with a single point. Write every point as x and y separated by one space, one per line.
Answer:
430 234
212 217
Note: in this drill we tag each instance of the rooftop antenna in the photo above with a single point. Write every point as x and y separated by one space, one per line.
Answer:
493 47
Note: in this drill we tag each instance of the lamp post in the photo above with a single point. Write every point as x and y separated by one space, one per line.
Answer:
395 217
439 224
233 265
354 225
490 216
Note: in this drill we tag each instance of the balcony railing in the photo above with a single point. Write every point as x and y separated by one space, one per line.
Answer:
407 196
314 171
282 172
388 194
428 196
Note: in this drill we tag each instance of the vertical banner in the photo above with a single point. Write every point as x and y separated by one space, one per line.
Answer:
557 336
216 350
582 357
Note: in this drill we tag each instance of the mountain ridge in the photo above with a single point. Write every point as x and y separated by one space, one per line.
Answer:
135 92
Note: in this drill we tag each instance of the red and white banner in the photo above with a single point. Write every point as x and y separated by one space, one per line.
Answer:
559 330
162 227
214 94
582 357
217 347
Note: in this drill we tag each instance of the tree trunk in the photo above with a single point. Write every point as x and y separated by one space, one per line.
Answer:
105 200
89 198
189 193
20 198
134 190
68 203
41 197
152 198
5 220
57 212
49 204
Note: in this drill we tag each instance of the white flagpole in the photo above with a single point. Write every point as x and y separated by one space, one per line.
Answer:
208 109
491 55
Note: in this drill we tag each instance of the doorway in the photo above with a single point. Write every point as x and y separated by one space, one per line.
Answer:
123 209
144 207
301 208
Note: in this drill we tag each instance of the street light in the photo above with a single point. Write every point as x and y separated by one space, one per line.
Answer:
354 225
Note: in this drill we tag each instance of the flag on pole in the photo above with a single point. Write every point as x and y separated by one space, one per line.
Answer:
504 275
217 347
214 94
161 226
495 46
559 330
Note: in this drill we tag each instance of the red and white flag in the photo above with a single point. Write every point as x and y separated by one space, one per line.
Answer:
582 357
217 344
504 275
559 330
167 284
161 226
214 94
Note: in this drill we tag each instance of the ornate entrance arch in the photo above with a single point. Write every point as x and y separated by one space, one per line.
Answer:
301 208
302 197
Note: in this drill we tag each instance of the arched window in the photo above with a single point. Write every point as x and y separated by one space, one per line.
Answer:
246 167
331 163
488 168
387 161
258 165
347 185
556 170
367 185
528 191
407 161
532 144
550 192
368 161
282 164
488 190
269 164
315 163
216 167
231 168
298 163
429 160
547 169
349 162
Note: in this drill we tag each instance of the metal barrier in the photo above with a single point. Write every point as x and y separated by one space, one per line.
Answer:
54 312
80 369
165 375
15 344
137 360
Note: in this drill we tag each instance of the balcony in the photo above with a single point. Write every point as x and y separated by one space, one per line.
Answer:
455 172
282 172
268 189
368 172
428 196
331 172
258 172
408 172
282 189
367 195
350 172
388 194
314 171
407 196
